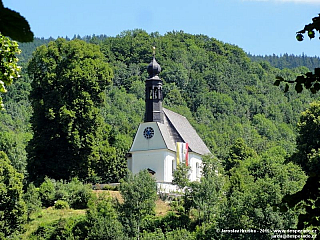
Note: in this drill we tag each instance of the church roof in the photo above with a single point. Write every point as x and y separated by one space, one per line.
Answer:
180 130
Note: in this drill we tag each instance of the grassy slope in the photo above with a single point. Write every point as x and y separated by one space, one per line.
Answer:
49 215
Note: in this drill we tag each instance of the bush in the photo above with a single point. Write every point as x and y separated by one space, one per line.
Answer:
156 235
179 234
64 228
12 206
62 192
75 193
32 199
79 194
102 220
47 192
61 204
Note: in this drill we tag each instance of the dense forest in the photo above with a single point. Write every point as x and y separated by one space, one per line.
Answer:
288 61
250 126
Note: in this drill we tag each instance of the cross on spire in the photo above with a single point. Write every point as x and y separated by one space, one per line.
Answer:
154 51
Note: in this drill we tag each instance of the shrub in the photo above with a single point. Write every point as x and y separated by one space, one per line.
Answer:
32 199
156 235
75 193
61 204
102 220
179 234
62 192
64 228
47 192
79 194
12 206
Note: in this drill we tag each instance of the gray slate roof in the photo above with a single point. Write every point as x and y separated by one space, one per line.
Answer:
180 130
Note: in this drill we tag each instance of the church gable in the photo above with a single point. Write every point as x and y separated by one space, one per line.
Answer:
149 137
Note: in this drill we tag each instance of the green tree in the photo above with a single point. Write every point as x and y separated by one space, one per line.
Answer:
9 68
12 206
311 80
102 220
47 192
139 194
13 25
207 195
67 89
181 176
255 186
239 151
32 199
308 157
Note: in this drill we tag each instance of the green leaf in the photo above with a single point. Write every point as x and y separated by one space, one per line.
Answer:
316 86
300 79
286 89
299 37
277 83
298 88
311 34
313 90
13 25
283 208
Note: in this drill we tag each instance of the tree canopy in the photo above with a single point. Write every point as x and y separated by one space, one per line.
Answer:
12 205
67 89
8 64
83 125
13 25
309 80
307 156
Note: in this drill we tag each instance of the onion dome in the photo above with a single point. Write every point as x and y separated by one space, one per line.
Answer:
154 68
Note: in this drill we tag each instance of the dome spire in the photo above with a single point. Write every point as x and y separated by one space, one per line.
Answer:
154 68
153 91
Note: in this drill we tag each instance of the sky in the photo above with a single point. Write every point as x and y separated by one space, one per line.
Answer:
259 27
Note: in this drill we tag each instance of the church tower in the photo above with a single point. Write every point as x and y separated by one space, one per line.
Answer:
153 91
165 139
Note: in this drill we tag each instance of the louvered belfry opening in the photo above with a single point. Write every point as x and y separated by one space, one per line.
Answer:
153 94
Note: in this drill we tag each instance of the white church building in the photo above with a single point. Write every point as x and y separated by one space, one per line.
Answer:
165 139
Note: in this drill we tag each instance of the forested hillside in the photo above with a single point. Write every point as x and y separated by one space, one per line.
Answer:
224 94
288 61
249 125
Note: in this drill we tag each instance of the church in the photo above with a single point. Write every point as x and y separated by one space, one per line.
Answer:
165 139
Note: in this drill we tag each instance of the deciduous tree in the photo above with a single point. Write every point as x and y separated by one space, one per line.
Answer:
308 157
67 89
12 206
139 194
9 68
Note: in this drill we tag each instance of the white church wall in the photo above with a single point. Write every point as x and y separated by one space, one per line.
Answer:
152 159
129 163
169 162
195 163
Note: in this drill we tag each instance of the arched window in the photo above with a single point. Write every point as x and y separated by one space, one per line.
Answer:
150 93
198 173
156 93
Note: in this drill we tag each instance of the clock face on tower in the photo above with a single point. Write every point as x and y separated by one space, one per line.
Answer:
148 132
